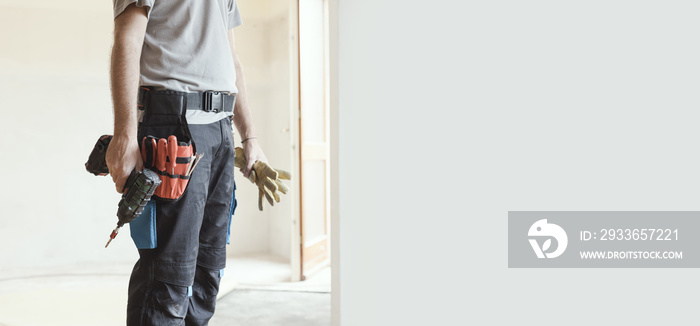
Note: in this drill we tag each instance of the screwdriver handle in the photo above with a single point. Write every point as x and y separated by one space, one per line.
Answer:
172 153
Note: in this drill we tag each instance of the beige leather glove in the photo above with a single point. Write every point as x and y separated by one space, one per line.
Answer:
268 180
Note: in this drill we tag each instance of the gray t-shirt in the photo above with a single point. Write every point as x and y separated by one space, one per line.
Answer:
186 47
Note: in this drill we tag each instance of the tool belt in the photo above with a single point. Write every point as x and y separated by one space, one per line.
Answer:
166 143
208 101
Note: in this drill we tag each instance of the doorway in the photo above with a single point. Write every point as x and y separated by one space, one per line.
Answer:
284 48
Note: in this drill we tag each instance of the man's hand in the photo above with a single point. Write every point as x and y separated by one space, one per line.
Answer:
253 153
122 157
268 180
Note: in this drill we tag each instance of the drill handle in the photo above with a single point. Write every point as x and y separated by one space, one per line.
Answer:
138 190
130 180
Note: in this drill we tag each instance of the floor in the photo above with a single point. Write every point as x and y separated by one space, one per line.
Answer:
96 295
270 299
246 271
273 308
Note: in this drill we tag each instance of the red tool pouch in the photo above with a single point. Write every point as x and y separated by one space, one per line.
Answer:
172 160
167 147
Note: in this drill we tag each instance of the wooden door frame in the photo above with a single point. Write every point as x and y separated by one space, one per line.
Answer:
295 137
333 141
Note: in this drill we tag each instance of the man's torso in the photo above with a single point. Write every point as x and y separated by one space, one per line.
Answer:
186 48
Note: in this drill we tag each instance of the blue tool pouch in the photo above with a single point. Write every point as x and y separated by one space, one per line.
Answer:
234 203
143 228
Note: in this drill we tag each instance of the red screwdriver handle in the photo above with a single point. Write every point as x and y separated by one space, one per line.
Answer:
172 153
162 153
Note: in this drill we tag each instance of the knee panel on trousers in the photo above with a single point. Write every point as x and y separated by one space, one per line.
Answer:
175 273
211 258
203 300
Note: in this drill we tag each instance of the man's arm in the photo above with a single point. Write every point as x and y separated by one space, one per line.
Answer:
242 118
123 154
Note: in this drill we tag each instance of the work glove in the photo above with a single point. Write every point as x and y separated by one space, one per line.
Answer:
268 180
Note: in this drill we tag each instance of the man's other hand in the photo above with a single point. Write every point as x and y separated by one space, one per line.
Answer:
267 179
123 156
253 153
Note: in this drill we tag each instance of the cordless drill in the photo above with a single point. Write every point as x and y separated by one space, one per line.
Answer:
138 189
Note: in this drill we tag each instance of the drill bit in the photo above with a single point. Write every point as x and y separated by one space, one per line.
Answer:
114 234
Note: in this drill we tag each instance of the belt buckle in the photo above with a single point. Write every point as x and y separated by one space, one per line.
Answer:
212 101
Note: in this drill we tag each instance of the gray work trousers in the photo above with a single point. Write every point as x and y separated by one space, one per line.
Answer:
176 283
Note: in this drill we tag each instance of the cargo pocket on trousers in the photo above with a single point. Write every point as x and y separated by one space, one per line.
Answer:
143 228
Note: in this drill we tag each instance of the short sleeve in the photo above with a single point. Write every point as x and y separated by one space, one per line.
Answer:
120 5
234 16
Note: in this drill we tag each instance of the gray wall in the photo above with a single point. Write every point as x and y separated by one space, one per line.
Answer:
452 113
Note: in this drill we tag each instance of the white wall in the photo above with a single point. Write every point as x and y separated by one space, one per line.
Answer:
263 45
55 102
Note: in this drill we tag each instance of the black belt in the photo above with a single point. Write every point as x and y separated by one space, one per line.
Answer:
208 101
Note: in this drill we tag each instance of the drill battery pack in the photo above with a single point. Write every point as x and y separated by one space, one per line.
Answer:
96 163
